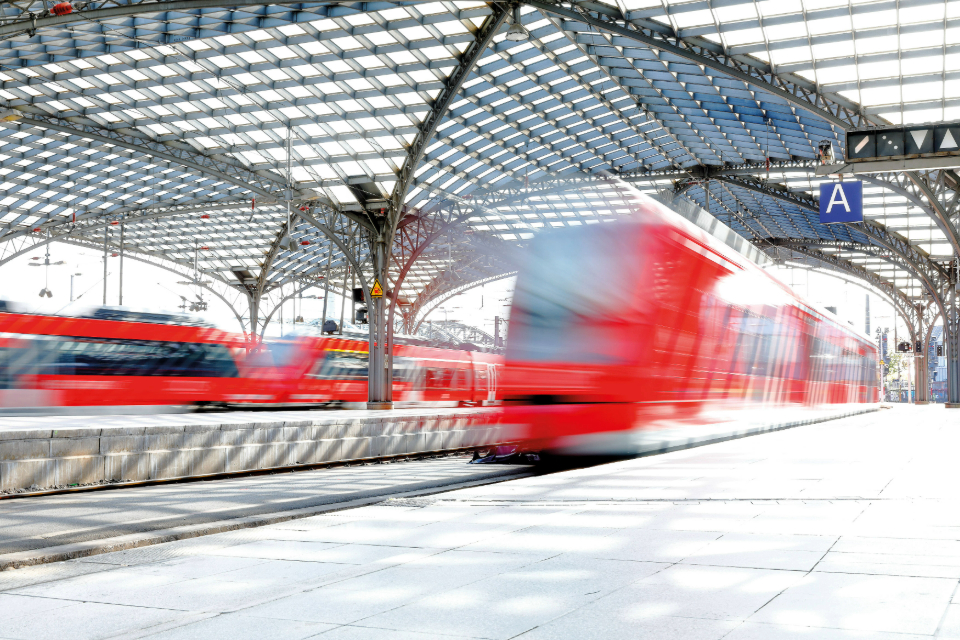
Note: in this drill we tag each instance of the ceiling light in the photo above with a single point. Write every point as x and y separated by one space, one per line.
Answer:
516 32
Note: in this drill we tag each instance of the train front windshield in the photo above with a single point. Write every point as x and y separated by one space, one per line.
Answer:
576 296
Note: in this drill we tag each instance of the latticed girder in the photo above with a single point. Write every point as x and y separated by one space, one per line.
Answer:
190 105
453 331
932 281
229 295
906 306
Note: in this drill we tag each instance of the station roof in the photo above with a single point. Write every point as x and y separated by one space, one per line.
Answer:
176 118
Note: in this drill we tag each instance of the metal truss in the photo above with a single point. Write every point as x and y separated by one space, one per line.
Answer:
940 188
227 294
801 93
452 86
259 182
905 305
486 141
933 282
342 233
451 284
332 281
94 25
514 194
869 232
456 332
15 243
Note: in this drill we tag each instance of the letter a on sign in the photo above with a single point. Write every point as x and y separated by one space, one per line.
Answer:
376 291
841 202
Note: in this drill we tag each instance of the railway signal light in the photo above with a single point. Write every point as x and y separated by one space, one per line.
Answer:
939 350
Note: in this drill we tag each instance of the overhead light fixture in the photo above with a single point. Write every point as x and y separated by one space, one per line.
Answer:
288 243
516 32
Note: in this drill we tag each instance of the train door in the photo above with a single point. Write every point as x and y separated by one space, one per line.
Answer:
491 385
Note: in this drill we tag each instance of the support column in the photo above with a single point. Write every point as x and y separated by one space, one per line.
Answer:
120 295
926 371
326 288
379 389
343 299
951 332
253 299
919 362
106 238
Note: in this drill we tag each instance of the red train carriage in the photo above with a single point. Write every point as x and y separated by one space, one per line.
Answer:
333 369
658 326
118 358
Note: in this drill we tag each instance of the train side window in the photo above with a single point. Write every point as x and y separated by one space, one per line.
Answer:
340 365
107 357
438 378
404 370
217 362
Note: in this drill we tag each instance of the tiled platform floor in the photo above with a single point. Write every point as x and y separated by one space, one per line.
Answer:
38 523
845 529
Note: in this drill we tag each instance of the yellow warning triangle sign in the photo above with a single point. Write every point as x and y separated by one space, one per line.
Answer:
377 290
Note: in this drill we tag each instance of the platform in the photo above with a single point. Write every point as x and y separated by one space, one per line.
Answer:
34 530
59 451
842 529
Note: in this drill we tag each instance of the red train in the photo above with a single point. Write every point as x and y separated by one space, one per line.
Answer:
120 360
659 333
333 369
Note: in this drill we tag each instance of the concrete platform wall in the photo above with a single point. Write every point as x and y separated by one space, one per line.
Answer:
47 457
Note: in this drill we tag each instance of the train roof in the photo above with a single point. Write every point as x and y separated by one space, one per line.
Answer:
115 314
709 223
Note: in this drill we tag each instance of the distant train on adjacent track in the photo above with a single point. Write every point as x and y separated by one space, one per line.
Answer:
116 360
643 333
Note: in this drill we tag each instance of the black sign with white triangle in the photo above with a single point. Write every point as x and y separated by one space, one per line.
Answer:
946 139
918 141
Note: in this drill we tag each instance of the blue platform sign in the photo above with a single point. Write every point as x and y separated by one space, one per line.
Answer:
841 202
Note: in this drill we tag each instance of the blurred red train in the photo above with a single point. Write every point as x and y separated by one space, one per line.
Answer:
116 360
333 369
659 334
